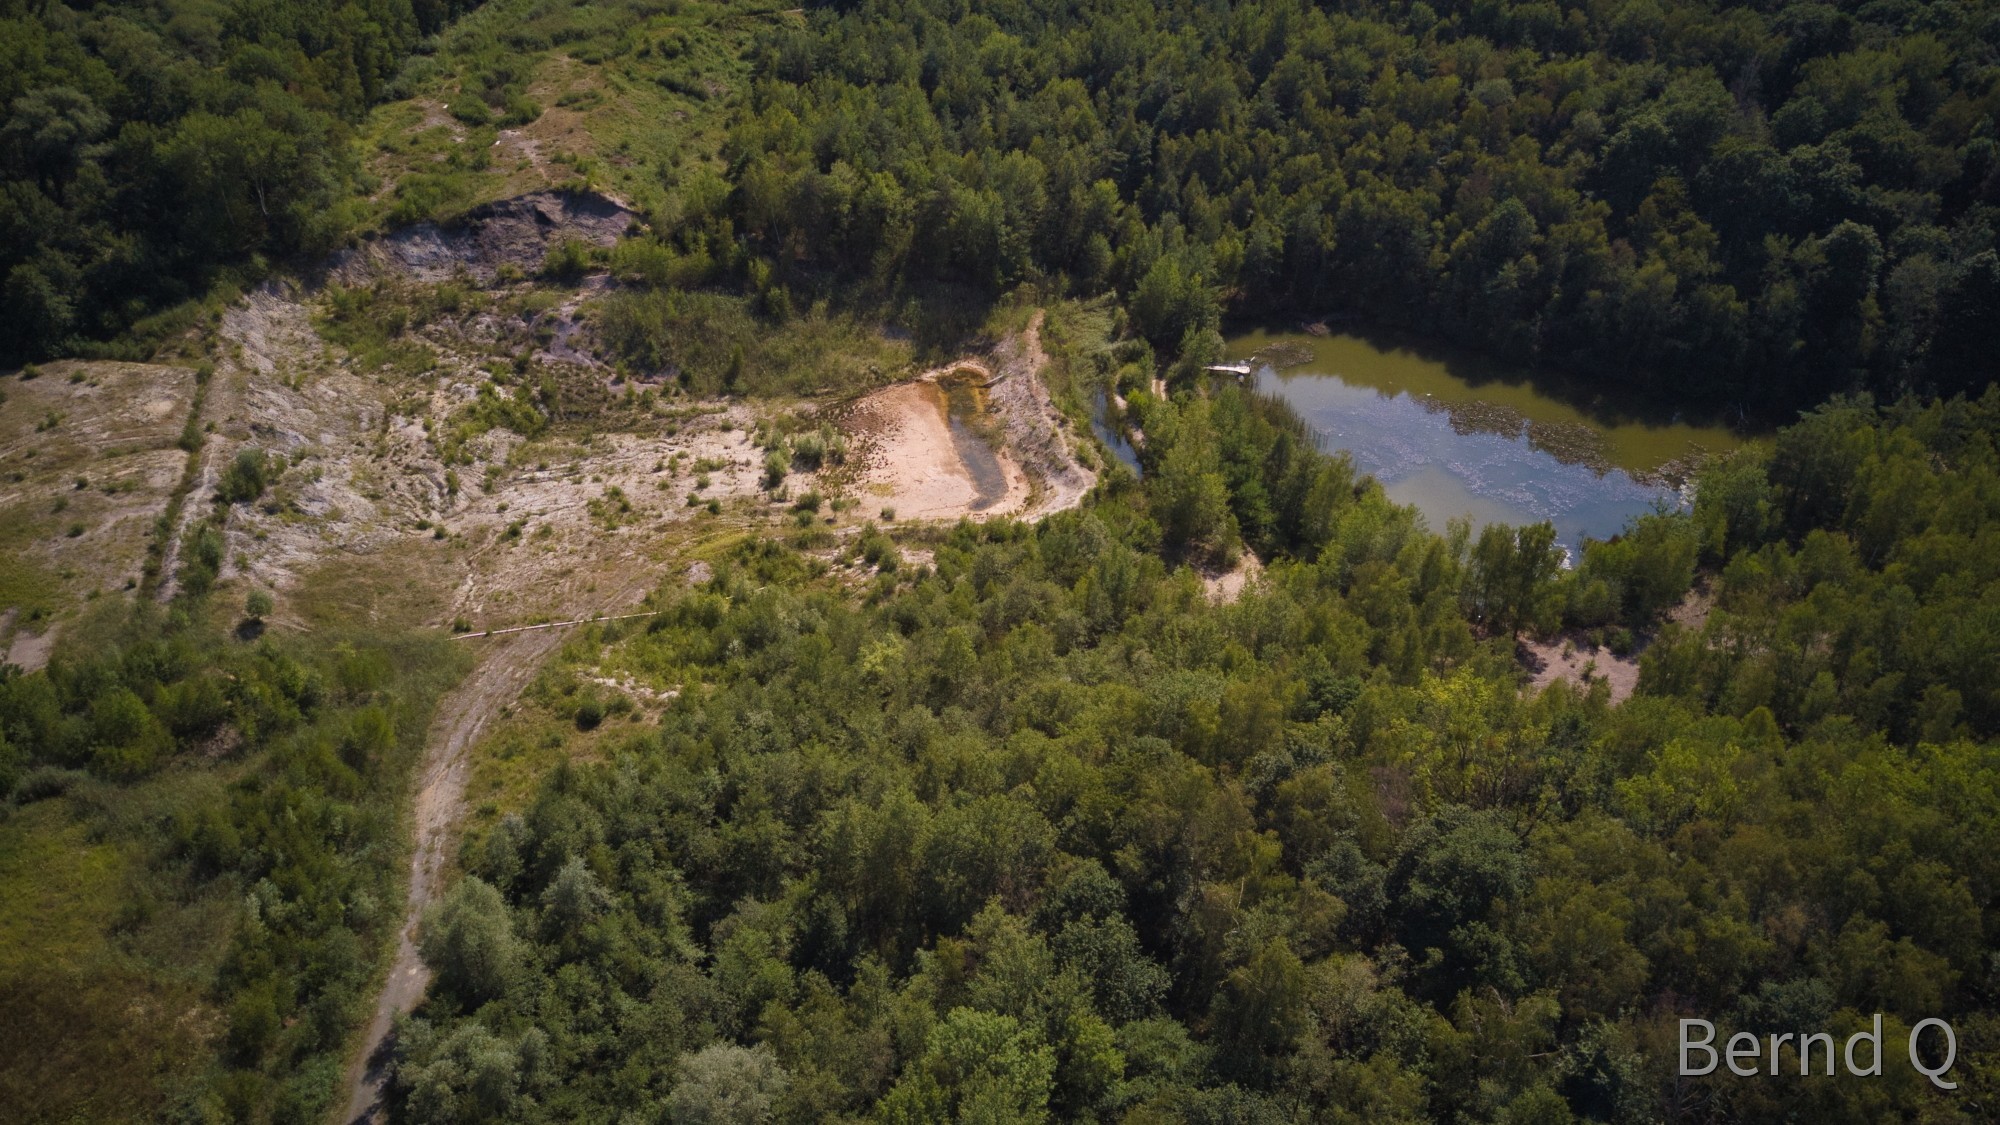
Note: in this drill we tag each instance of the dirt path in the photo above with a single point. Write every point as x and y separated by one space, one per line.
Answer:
265 326
502 674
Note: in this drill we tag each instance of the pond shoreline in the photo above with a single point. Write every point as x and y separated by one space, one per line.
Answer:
1606 404
1457 438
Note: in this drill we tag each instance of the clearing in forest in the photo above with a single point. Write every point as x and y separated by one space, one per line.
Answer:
977 437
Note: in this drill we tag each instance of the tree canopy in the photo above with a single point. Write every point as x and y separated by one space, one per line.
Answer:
147 149
1755 204
1040 831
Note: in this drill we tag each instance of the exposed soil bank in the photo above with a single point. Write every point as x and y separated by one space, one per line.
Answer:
1003 451
510 232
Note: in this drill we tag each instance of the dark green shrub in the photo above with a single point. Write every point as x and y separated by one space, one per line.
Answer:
246 478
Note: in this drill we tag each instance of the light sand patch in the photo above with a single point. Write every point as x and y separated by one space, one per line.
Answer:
31 651
1227 586
1574 660
913 461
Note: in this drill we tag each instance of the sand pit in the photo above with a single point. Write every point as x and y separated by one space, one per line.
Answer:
970 439
913 462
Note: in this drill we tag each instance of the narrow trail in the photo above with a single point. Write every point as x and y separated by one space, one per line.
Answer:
462 716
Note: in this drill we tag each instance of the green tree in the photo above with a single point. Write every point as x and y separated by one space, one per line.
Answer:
976 1067
1190 497
724 1084
468 941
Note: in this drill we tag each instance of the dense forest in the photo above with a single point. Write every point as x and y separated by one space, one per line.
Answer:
1760 205
1757 204
1010 821
1034 828
149 151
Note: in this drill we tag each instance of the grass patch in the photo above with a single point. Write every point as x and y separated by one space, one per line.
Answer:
714 343
93 964
624 95
403 583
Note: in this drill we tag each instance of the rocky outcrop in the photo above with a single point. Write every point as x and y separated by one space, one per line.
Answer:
514 232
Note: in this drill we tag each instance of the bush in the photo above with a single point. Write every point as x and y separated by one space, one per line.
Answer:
44 782
258 605
1651 564
472 111
589 713
777 464
246 478
567 260
202 558
521 111
469 942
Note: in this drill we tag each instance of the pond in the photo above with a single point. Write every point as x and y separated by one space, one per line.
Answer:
1455 437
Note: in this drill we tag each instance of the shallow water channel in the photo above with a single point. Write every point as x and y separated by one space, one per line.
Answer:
1113 438
1457 438
971 422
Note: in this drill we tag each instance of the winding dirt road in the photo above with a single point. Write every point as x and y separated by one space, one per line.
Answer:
462 716
503 672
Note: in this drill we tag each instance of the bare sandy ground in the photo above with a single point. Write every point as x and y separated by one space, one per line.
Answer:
88 462
911 463
1573 660
1570 658
370 520
1228 586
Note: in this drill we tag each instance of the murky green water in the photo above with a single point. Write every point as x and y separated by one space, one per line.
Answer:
1113 438
968 415
1455 437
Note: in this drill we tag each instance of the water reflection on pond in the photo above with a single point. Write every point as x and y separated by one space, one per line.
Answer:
1454 439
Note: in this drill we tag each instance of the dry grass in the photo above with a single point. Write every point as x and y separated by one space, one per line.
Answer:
88 462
